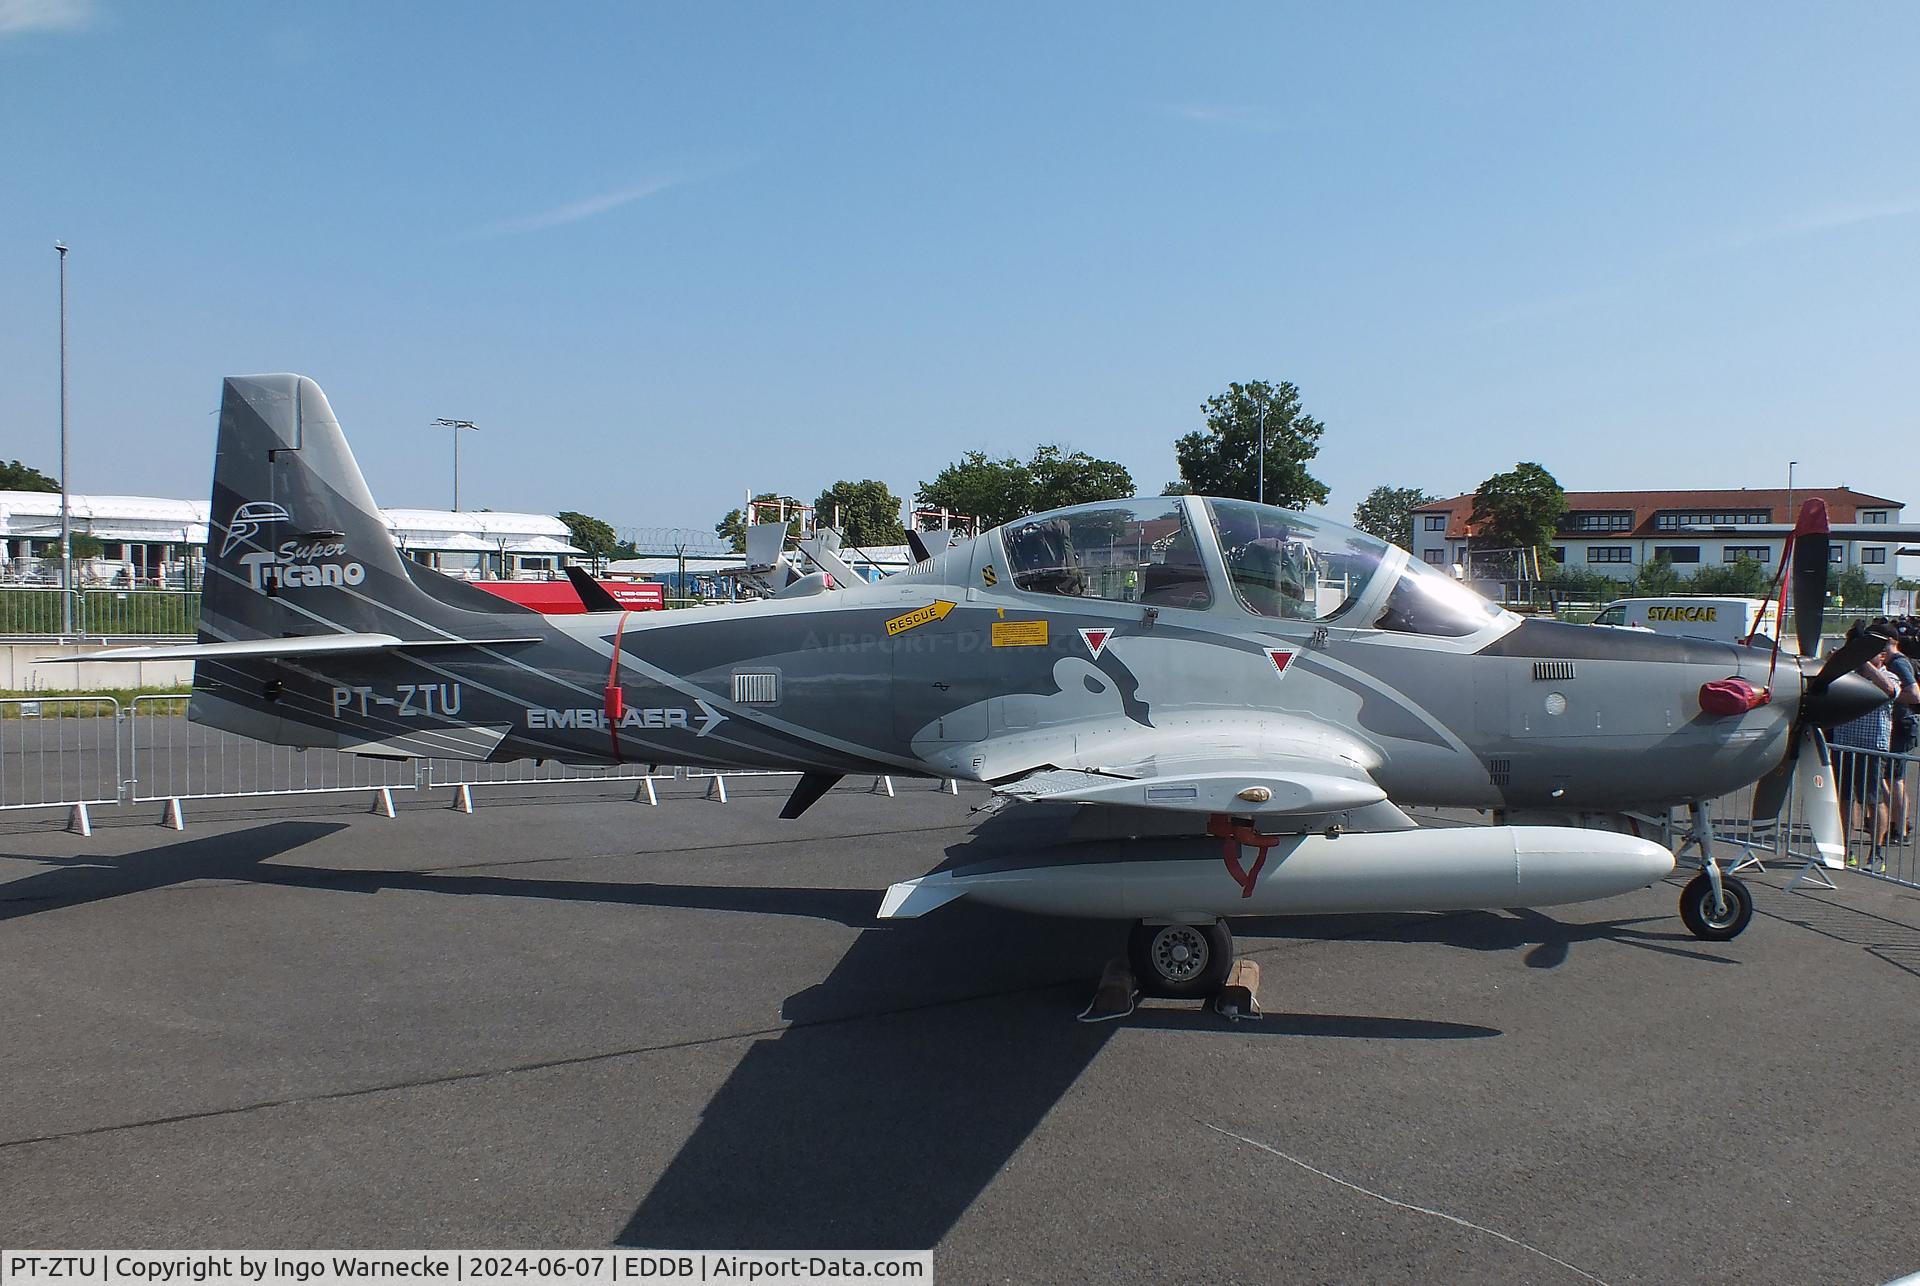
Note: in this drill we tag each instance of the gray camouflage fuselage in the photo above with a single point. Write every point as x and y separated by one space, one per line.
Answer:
947 670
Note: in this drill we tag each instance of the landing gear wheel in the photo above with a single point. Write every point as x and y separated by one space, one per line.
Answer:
1180 961
1715 923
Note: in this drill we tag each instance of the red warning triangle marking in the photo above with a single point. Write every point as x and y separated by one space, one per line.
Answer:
1280 657
1096 641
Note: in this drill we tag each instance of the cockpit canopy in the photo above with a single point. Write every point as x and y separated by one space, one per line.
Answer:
1194 553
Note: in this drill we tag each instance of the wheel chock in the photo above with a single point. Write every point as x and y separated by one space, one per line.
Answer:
1115 995
1240 998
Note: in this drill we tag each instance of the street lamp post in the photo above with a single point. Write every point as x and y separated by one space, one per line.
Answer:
456 426
1790 465
66 503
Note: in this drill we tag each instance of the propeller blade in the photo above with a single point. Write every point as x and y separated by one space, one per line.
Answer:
1816 799
1770 792
1811 546
1847 658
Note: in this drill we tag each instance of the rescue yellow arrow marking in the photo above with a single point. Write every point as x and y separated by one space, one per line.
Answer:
934 611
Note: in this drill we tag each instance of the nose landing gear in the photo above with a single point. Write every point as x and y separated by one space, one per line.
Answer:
1715 906
1715 914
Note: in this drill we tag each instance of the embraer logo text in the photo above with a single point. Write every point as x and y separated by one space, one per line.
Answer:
595 720
296 564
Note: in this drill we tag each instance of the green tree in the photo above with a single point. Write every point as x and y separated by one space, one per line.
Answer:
590 533
80 545
997 491
734 527
1658 579
1854 590
1062 478
1518 509
866 512
1224 460
1580 583
15 476
1387 513
1744 578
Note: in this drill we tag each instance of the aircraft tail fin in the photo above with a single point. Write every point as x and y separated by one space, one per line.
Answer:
302 571
295 543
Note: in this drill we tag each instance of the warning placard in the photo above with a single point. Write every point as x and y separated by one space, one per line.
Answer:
1019 633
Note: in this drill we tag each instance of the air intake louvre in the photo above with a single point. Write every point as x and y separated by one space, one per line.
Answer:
1550 671
1499 771
756 689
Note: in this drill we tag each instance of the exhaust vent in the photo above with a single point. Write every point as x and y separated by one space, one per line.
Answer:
1552 671
1499 771
756 689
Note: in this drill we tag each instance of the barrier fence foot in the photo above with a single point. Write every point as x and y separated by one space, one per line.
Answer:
1814 873
172 817
882 784
383 801
717 788
462 798
646 788
952 787
78 821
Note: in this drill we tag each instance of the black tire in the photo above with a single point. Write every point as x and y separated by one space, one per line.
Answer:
1701 917
1180 961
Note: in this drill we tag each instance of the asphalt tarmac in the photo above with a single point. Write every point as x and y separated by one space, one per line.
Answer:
573 1020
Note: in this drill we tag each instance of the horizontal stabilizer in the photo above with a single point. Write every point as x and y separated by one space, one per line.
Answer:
468 741
301 645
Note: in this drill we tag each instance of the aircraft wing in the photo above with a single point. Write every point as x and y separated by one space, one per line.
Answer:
298 646
1313 785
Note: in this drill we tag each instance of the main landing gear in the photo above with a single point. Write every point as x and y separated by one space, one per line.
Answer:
1180 961
1715 905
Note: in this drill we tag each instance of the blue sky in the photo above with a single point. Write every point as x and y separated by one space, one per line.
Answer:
663 254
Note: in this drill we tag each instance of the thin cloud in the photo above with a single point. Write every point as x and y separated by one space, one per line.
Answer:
1248 119
1826 219
20 16
576 211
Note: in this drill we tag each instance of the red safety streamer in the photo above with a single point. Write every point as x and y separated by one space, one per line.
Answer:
615 703
1233 834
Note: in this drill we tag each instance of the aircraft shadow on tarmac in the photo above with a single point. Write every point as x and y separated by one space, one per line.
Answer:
908 1078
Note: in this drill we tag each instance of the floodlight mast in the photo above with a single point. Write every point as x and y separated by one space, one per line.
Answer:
66 499
456 426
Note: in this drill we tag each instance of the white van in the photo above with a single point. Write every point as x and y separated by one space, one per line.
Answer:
1728 619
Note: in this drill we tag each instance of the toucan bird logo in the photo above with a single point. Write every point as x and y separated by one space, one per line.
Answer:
248 519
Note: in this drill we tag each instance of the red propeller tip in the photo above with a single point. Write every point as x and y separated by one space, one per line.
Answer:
1813 517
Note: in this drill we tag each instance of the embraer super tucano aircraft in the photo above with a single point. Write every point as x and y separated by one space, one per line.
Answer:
1206 707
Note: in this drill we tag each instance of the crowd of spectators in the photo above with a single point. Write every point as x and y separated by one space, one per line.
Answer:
1874 795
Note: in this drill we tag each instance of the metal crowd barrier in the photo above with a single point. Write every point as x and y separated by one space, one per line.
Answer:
71 753
32 611
175 761
139 613
1878 800
1879 844
60 753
